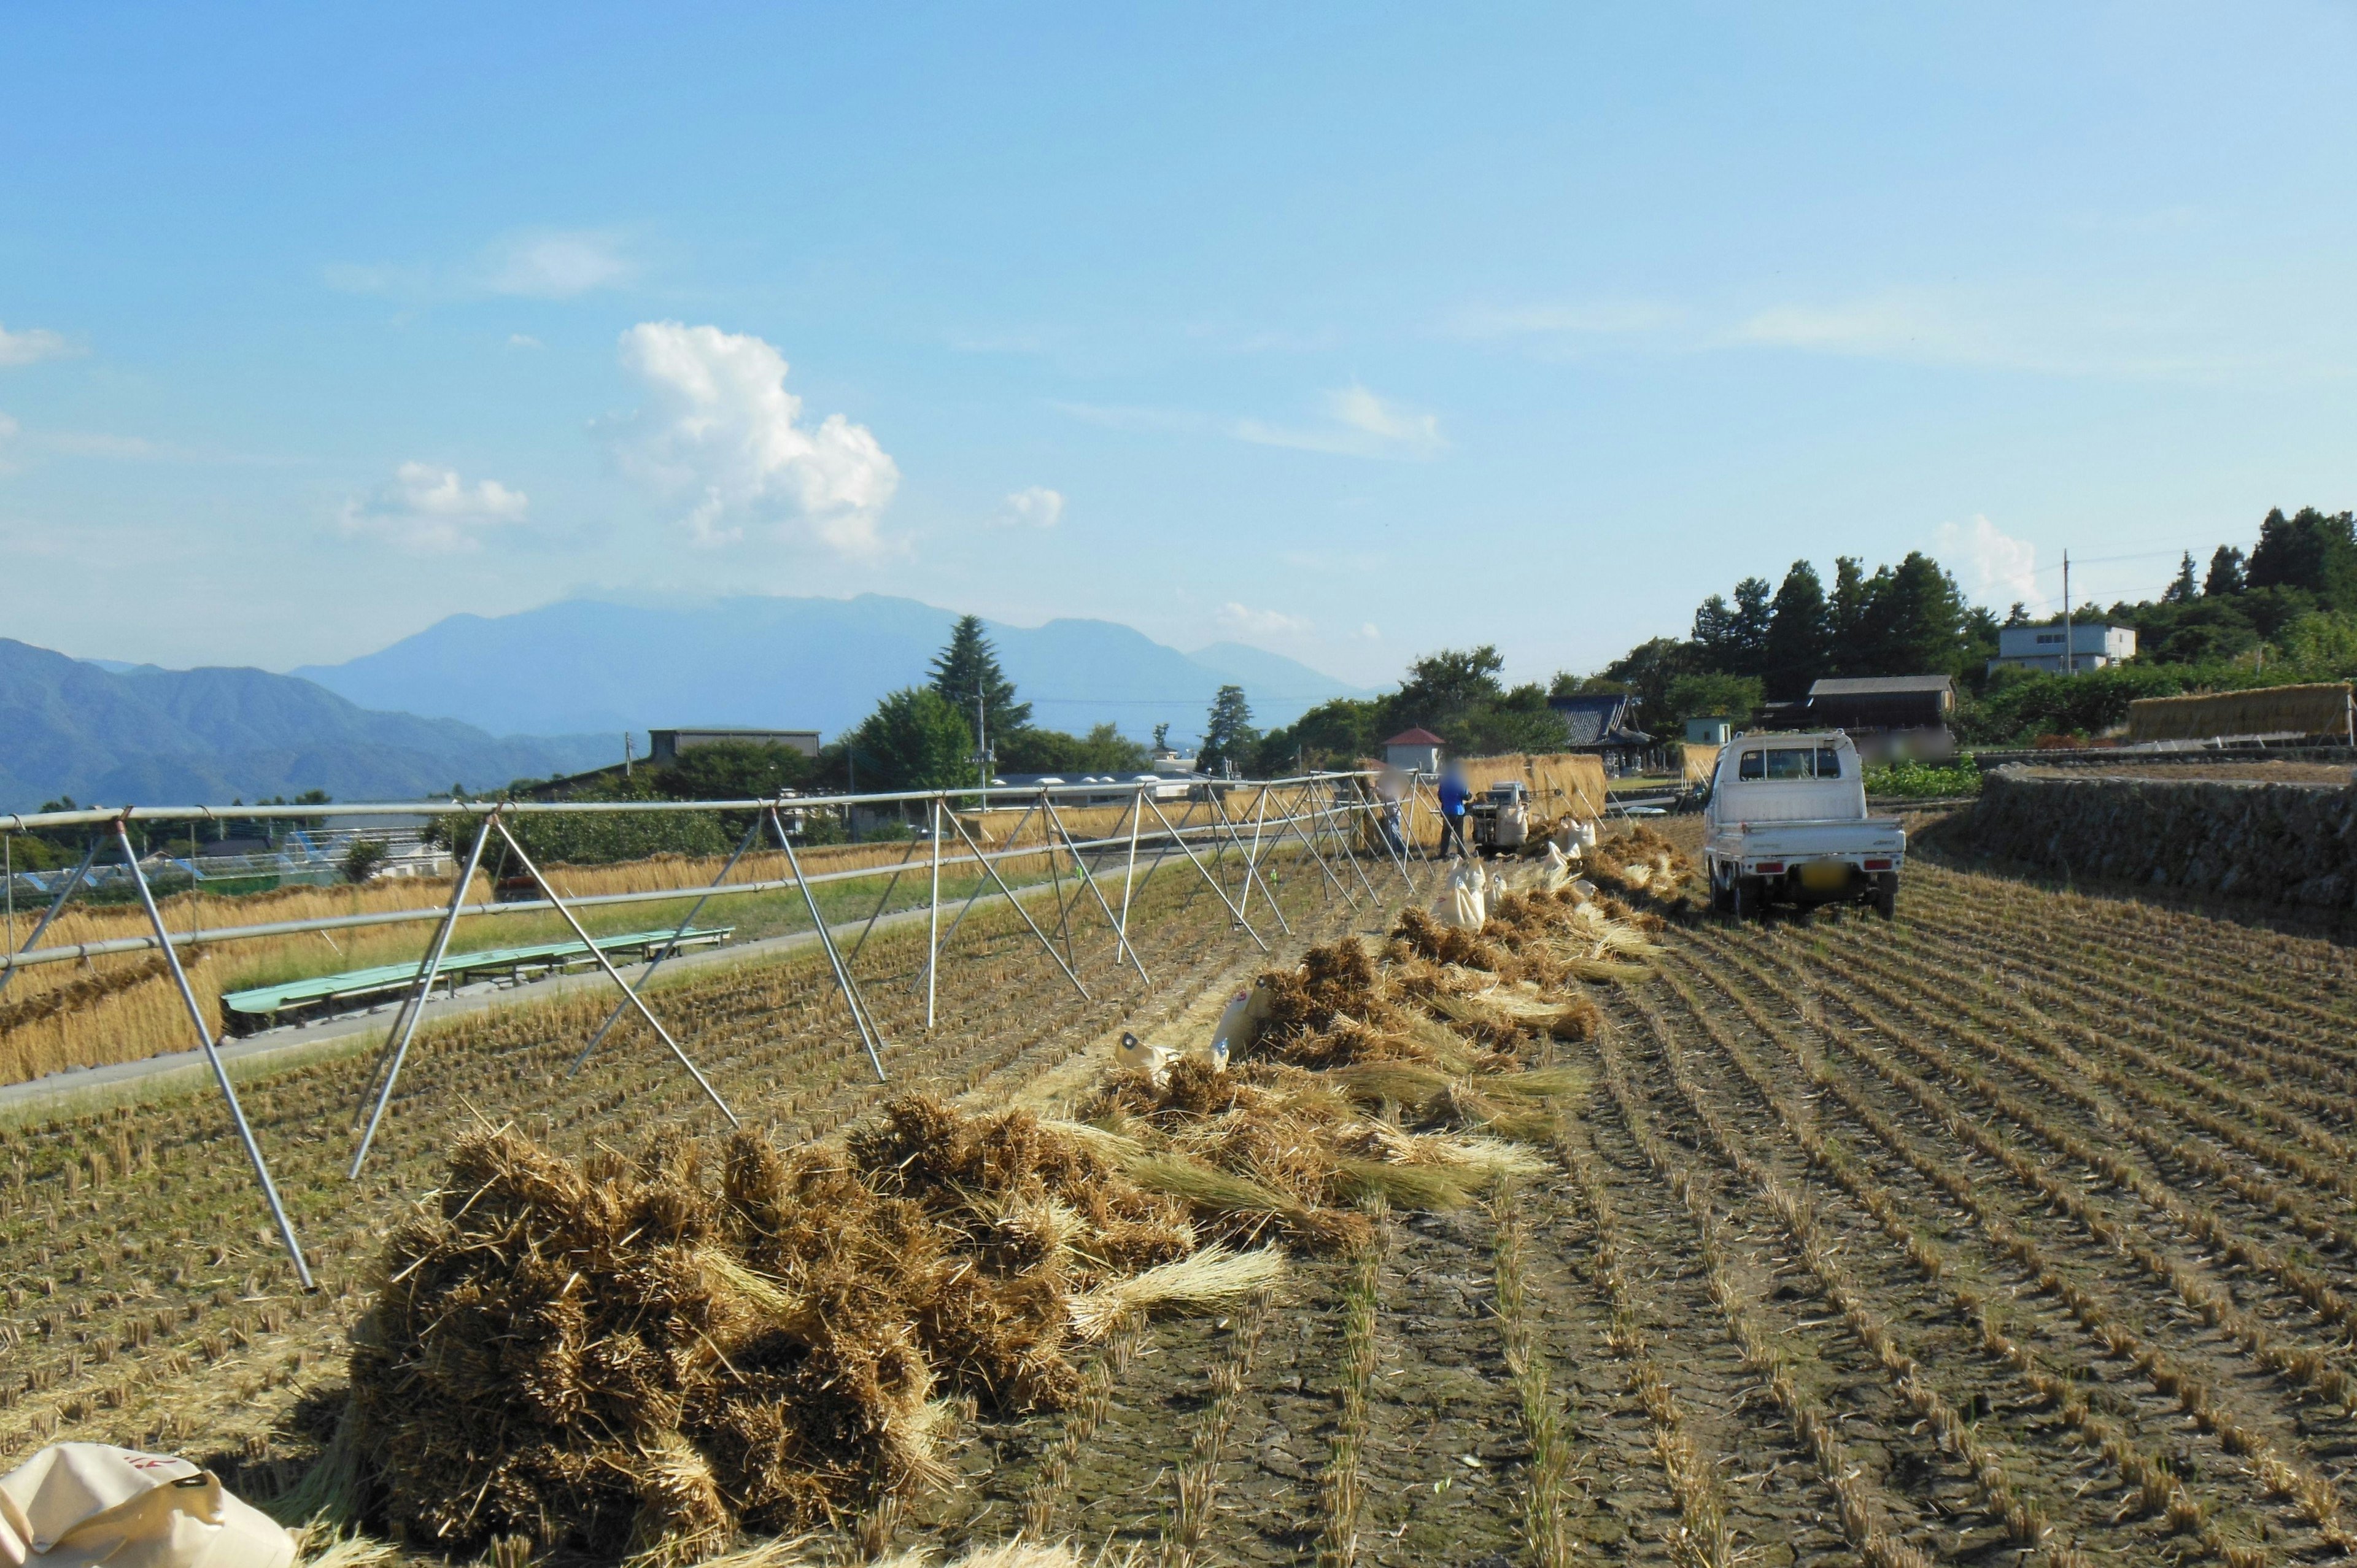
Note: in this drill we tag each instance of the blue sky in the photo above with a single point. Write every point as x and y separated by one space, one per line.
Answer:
1350 332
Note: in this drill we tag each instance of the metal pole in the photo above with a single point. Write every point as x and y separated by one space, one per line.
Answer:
55 904
1293 820
1222 892
212 1055
827 940
1252 870
672 946
967 907
1056 879
582 934
1020 909
1120 927
878 915
1325 807
934 925
413 1006
1373 806
1081 870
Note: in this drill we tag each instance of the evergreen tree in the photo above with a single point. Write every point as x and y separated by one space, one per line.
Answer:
916 739
1442 688
1916 619
2019 615
2225 578
2311 550
1747 635
2181 591
1799 639
969 664
1713 636
1228 733
1846 617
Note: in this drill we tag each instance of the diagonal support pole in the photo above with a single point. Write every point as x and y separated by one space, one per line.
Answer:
1129 872
1020 909
1325 805
1189 852
933 912
55 904
612 974
686 924
1371 809
1293 820
1081 870
1251 867
949 813
413 1006
212 1057
881 903
870 1036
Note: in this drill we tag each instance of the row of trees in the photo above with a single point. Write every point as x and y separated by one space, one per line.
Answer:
2284 609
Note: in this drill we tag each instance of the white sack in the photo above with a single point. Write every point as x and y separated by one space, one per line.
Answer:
77 1505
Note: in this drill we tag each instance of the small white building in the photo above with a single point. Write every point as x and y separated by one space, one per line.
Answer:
1712 731
2092 646
1414 751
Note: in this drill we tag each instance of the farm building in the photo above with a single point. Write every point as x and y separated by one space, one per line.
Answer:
665 744
1889 715
2088 645
1601 726
1413 751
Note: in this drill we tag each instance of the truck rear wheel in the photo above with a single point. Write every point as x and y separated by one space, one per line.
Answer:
1751 897
1885 894
1722 891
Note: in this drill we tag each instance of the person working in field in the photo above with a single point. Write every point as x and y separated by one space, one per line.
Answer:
1454 792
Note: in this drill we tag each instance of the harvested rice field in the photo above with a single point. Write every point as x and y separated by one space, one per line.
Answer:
2021 1229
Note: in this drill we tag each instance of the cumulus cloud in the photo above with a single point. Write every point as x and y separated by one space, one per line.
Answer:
1369 633
31 345
720 430
1250 622
1358 425
432 512
1034 507
1999 566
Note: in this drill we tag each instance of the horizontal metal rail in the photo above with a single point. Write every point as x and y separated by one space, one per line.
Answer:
210 936
1114 793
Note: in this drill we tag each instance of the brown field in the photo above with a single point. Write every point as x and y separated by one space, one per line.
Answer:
2020 1231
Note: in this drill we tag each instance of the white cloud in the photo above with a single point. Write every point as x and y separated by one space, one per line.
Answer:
1034 507
1999 566
432 512
720 426
534 263
524 340
1362 424
556 265
1367 632
1251 622
32 345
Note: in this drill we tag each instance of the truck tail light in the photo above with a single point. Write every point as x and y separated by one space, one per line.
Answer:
1878 865
1772 867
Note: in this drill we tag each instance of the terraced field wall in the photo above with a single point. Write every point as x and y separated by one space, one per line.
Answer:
2279 843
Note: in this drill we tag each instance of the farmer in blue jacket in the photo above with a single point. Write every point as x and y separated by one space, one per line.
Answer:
1454 793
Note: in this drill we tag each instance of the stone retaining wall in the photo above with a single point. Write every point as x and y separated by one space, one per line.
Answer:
2289 844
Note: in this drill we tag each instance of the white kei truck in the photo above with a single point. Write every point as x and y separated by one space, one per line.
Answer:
1786 821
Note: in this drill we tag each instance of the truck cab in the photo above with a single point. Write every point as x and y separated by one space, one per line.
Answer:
1787 822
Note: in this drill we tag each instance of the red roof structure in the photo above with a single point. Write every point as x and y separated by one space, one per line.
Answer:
1415 737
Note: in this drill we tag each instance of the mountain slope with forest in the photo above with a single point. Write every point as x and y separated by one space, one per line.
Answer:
157 736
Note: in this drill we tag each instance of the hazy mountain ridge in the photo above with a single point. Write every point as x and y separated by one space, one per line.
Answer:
585 665
183 736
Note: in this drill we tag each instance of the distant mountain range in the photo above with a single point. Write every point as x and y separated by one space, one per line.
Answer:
479 701
584 665
139 734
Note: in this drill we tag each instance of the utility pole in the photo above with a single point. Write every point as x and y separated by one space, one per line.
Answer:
2069 653
981 738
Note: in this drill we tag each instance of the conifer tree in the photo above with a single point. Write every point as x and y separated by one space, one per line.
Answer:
970 665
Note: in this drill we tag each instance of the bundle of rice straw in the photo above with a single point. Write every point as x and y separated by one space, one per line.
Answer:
648 1356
